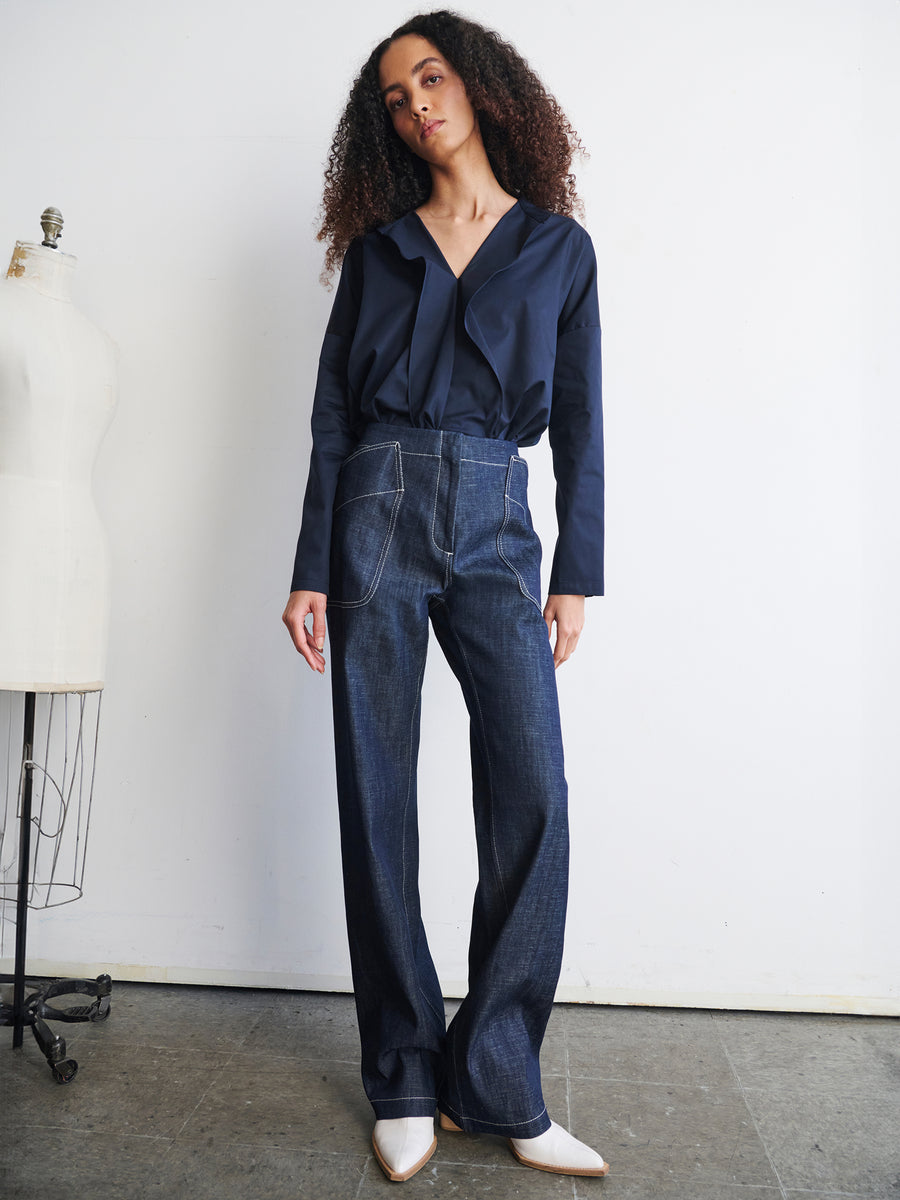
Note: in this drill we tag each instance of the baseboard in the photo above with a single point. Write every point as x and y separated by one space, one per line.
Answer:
883 1006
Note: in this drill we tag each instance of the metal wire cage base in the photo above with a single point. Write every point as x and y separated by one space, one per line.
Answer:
51 845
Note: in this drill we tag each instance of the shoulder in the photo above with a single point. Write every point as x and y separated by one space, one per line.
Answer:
560 239
562 246
557 225
361 259
361 248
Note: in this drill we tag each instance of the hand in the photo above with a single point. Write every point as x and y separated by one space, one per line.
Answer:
310 645
568 613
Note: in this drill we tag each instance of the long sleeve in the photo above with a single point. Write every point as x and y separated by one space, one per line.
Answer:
333 435
576 438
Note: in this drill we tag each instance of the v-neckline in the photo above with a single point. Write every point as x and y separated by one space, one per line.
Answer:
481 245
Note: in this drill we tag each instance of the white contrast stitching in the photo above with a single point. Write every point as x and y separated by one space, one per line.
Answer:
437 488
366 496
389 537
374 446
496 1124
507 500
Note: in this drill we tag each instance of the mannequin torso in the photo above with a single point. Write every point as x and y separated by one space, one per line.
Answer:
57 392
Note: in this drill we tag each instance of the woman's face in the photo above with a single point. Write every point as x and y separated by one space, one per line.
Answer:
426 99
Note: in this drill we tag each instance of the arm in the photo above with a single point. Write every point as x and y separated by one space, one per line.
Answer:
333 439
576 440
332 430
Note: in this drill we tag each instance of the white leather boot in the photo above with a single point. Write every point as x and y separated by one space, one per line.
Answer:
403 1145
554 1150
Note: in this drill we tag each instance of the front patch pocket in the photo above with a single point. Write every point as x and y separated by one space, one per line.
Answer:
369 491
517 543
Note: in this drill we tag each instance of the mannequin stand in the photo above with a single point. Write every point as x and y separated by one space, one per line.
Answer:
35 1009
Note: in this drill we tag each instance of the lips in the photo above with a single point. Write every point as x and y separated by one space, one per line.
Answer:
428 128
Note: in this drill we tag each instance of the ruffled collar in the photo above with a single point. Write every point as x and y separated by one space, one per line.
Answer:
499 249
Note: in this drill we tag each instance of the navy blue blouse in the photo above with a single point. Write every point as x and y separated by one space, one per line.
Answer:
509 349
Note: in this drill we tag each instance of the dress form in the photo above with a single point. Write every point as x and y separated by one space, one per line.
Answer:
57 392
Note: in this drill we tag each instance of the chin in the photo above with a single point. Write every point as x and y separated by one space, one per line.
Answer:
436 152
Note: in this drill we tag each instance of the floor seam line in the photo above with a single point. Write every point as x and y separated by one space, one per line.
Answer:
567 1063
364 1176
753 1121
213 1075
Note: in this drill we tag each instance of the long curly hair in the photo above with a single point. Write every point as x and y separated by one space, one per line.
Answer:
372 177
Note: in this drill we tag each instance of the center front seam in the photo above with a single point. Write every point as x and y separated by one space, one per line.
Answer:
446 493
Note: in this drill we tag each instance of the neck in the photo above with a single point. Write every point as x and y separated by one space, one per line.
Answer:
466 187
42 269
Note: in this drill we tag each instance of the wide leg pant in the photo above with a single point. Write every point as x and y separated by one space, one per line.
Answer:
435 525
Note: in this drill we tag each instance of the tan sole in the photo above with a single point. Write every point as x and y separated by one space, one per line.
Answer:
396 1177
445 1123
594 1172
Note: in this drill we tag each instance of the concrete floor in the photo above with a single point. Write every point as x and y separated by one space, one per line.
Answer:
213 1092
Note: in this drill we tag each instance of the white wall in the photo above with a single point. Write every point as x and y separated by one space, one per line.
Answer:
732 712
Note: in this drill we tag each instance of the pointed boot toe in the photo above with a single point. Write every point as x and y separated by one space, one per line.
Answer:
557 1151
403 1145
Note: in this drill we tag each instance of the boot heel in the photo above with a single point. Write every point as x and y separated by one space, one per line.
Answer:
446 1124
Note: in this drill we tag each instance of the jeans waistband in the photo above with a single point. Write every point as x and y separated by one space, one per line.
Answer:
439 442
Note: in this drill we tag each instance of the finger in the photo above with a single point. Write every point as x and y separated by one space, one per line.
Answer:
294 618
566 643
318 629
313 641
311 652
305 645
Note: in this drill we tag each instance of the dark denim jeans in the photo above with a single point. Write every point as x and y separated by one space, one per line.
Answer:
430 524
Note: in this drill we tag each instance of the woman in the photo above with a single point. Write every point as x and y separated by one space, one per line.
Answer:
465 323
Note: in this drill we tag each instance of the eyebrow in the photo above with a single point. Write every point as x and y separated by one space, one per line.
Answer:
418 67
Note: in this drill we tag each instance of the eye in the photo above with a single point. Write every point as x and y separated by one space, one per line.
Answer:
396 103
433 79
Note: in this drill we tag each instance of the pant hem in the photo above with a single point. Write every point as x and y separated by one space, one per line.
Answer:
517 1129
404 1106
